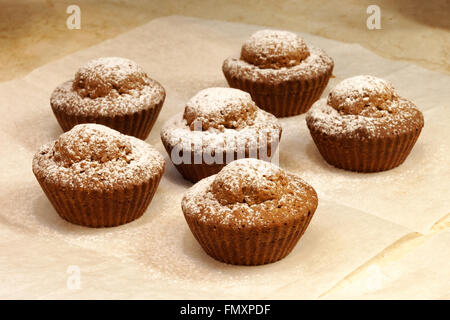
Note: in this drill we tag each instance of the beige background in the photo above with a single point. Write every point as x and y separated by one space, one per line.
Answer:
33 33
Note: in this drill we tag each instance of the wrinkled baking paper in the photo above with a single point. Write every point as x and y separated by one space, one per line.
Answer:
430 263
156 256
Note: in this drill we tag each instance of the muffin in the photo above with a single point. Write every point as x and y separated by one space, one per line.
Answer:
219 125
115 92
283 75
251 213
364 125
97 177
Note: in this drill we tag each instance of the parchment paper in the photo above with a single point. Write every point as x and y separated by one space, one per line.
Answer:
430 263
156 256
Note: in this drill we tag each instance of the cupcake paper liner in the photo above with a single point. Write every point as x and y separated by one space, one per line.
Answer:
98 209
285 99
249 245
369 155
138 124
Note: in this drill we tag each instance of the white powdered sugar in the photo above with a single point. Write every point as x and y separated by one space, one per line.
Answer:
274 49
221 108
364 107
317 63
363 95
113 69
249 192
107 87
95 157
324 118
220 119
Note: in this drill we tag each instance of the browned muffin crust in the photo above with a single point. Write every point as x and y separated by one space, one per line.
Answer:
274 49
250 192
223 122
112 91
364 125
225 118
96 177
364 107
251 212
283 75
95 157
107 87
317 62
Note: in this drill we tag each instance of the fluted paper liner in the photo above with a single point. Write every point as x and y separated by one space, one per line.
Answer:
138 124
284 99
368 155
250 245
98 209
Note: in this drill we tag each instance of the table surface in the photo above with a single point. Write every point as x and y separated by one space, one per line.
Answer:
33 33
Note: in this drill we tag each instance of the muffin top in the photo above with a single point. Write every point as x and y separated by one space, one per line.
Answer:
274 49
107 87
275 56
220 119
95 157
364 106
250 193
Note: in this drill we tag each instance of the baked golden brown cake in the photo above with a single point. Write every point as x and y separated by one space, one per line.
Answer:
283 75
115 92
219 125
252 212
97 177
364 125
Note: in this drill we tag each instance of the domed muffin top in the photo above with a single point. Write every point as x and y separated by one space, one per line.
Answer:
107 87
274 49
250 192
249 181
221 119
92 143
220 108
275 57
95 157
99 77
363 95
364 106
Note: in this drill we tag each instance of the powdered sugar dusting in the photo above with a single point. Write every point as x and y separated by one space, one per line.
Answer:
229 120
221 108
249 192
114 70
108 86
317 63
364 95
274 49
95 157
326 119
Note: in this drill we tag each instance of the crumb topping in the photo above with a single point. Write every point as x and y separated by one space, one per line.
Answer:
93 156
250 192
